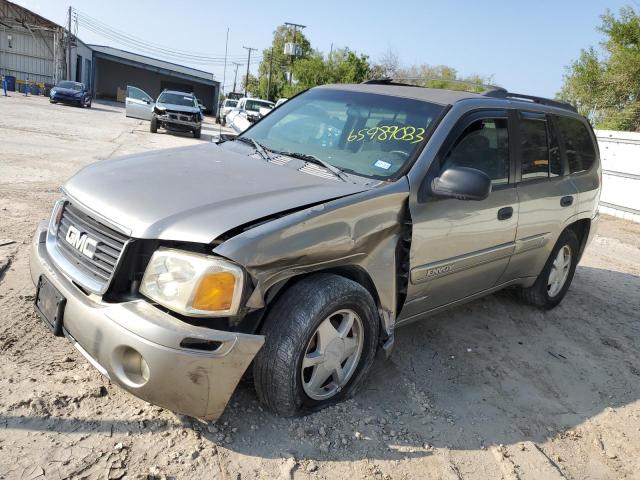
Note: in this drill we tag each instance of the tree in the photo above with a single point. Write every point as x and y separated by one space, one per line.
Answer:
443 76
605 84
280 64
313 68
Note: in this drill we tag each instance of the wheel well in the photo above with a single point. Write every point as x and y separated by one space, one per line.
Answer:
352 272
581 229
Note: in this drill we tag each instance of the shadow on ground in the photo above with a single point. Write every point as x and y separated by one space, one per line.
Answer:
491 372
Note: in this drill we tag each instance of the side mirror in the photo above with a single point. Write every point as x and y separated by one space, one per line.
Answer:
463 183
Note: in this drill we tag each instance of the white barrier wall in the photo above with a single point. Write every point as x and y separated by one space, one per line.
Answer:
620 156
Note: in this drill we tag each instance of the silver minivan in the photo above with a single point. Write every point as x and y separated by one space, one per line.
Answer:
298 247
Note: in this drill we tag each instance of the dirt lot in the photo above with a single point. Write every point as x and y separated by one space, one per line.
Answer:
493 389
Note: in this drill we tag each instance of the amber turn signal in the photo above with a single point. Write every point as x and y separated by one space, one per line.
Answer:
215 292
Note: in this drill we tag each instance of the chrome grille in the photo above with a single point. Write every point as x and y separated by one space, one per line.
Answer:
109 245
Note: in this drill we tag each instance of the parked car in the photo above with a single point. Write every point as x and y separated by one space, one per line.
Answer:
228 105
281 101
247 112
301 245
73 93
174 111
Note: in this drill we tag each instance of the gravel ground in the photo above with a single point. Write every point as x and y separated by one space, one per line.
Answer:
492 389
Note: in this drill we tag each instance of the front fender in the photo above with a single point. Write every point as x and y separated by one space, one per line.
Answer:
358 230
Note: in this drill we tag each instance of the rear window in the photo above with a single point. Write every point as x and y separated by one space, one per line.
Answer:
578 145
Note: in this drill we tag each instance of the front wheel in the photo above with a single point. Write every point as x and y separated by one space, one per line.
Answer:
556 276
321 339
197 132
153 127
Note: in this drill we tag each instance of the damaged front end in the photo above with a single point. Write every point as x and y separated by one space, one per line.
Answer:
357 236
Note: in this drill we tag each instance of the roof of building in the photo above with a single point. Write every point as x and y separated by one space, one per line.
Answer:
25 20
135 57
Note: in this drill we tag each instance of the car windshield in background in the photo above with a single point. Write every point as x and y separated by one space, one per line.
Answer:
361 133
255 105
177 99
70 85
230 103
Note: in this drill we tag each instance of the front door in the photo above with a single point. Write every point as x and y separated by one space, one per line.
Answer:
462 247
138 104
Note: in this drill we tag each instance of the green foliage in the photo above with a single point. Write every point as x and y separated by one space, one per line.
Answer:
605 86
313 68
443 76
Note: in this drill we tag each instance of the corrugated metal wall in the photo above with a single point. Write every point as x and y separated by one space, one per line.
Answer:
30 49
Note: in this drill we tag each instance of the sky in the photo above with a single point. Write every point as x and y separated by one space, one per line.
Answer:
524 45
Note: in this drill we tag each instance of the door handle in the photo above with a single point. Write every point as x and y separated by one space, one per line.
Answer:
566 201
505 213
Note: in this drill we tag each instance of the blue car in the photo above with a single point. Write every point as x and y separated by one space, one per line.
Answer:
74 93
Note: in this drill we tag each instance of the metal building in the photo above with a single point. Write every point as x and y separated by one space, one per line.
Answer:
114 69
31 47
35 49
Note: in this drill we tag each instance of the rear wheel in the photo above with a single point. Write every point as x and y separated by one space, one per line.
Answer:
321 339
556 276
153 127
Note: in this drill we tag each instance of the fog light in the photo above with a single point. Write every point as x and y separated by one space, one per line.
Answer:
130 367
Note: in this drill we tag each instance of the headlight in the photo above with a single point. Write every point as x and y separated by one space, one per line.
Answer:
56 216
53 91
193 284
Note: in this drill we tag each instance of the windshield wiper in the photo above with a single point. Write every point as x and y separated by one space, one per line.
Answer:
259 148
318 161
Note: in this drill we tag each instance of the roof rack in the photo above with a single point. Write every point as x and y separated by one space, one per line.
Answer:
397 81
502 93
492 91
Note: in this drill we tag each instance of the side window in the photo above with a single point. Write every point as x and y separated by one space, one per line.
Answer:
534 149
579 147
483 145
137 94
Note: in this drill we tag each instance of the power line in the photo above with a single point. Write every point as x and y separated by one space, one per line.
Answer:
100 28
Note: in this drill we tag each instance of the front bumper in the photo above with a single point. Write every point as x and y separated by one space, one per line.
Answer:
114 337
66 99
167 120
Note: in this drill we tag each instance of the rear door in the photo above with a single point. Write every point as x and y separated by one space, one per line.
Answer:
138 104
547 195
460 248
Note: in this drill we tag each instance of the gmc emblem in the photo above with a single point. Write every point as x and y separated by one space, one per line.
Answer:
81 242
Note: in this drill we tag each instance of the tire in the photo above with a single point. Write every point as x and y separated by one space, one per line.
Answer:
89 104
290 330
197 132
543 295
153 126
52 101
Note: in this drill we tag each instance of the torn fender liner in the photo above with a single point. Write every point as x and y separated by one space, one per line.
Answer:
360 230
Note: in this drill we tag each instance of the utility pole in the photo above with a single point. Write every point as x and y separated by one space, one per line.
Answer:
235 76
224 73
269 81
295 26
69 46
246 80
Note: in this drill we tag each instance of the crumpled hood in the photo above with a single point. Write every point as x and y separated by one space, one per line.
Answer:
195 194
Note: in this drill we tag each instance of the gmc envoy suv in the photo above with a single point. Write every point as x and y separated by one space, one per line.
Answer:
298 247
